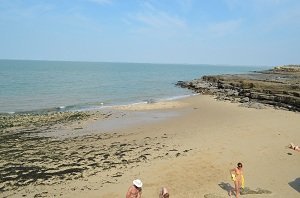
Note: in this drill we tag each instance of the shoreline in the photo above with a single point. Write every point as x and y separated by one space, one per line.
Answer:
102 107
53 119
199 144
105 88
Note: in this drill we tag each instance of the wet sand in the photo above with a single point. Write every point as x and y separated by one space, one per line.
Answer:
188 146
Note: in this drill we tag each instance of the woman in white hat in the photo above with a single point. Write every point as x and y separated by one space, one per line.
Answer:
135 191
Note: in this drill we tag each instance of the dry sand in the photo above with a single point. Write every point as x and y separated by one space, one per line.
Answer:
191 152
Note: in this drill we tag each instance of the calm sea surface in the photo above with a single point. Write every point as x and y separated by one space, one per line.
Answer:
63 86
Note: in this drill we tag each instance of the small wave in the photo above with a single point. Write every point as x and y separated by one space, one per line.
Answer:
150 101
7 113
118 105
179 97
88 107
98 106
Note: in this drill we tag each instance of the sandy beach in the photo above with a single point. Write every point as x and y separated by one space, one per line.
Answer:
186 145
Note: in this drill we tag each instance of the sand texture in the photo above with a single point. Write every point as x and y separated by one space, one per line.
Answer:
187 146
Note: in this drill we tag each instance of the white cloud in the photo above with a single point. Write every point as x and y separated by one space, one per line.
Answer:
250 4
101 2
151 19
232 4
224 28
286 19
186 4
22 11
160 20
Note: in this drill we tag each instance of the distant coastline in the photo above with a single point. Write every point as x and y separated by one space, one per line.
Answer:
279 87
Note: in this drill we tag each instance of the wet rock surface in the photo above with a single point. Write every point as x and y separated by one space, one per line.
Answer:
279 87
44 120
28 158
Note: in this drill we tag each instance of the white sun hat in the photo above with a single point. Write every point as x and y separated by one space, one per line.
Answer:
138 183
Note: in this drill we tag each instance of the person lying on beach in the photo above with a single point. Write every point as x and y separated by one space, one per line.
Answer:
135 191
238 179
294 147
164 193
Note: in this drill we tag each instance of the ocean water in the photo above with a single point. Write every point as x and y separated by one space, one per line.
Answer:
29 86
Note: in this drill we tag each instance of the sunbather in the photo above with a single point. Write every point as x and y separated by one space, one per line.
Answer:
294 147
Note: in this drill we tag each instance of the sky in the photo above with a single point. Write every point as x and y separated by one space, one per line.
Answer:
235 32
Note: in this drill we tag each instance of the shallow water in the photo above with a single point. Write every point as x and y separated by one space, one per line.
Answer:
66 86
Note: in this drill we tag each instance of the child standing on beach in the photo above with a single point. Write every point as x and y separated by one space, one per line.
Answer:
238 178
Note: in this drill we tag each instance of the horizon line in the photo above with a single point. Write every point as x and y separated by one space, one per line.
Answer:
150 63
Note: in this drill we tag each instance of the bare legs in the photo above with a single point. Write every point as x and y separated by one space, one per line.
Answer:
237 187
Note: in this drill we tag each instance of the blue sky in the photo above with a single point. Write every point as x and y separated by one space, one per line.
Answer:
238 32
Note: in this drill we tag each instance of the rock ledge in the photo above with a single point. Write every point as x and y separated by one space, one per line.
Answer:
279 87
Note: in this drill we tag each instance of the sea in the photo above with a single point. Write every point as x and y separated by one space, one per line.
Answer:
33 86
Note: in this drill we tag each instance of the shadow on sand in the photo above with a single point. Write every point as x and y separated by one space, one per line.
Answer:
226 186
295 184
248 191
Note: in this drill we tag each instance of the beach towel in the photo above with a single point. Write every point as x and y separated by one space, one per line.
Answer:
243 181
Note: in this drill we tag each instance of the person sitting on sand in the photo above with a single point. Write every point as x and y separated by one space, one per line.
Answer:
135 191
237 178
164 193
294 147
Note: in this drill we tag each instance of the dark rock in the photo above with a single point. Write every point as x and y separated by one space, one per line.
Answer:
245 99
279 87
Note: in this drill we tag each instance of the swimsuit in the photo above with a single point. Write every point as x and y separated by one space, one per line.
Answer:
233 177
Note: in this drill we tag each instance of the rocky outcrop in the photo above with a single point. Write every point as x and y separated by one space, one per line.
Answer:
279 87
44 120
